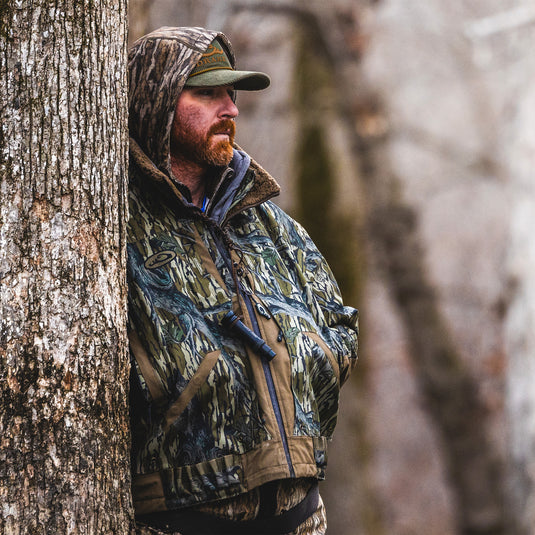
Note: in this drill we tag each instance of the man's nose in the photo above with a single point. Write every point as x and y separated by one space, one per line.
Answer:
229 109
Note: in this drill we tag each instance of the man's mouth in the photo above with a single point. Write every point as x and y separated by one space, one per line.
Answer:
224 130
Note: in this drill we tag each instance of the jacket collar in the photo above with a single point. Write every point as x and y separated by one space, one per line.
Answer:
264 185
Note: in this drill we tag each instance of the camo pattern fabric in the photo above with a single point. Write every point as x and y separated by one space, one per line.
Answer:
180 288
212 419
315 524
294 283
246 506
288 493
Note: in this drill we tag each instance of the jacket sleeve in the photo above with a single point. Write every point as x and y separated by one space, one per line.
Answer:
338 324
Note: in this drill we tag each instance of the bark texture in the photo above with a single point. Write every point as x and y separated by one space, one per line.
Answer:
64 462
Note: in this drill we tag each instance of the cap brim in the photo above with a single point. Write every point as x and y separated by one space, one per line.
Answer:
241 80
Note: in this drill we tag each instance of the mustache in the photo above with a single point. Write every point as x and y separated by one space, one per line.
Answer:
226 125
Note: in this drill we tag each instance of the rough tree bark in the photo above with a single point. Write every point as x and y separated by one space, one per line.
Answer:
63 365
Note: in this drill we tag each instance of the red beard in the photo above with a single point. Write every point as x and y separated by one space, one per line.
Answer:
202 149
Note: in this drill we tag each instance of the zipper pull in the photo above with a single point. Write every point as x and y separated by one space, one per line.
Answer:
257 344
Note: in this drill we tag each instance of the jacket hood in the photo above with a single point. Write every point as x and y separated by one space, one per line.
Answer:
159 64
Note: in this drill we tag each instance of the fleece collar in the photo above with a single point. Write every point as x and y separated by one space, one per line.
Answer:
264 185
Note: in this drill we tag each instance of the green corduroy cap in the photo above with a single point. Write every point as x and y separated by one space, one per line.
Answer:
214 69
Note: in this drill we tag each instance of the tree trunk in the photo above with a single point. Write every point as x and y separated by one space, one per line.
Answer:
520 319
63 365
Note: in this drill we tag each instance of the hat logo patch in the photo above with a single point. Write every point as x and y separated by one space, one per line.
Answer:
214 50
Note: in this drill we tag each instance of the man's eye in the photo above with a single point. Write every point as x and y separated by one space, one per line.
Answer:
206 92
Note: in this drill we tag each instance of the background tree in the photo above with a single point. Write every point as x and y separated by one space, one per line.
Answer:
519 149
64 461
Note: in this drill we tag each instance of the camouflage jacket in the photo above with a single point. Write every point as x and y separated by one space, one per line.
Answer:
211 417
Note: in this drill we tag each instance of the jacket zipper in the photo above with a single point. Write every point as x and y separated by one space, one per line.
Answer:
265 364
270 384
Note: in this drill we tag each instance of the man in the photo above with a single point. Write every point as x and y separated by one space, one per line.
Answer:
239 338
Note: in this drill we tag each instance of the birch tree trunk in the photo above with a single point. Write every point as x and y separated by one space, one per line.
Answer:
63 366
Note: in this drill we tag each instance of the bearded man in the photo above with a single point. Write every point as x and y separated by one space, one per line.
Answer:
238 334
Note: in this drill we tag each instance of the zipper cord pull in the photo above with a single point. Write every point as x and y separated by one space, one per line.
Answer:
257 344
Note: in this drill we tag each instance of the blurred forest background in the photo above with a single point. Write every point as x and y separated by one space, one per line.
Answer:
402 134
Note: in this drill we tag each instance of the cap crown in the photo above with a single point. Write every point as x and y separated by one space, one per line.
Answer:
213 59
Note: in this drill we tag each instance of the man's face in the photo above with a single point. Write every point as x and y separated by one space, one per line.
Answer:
203 128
